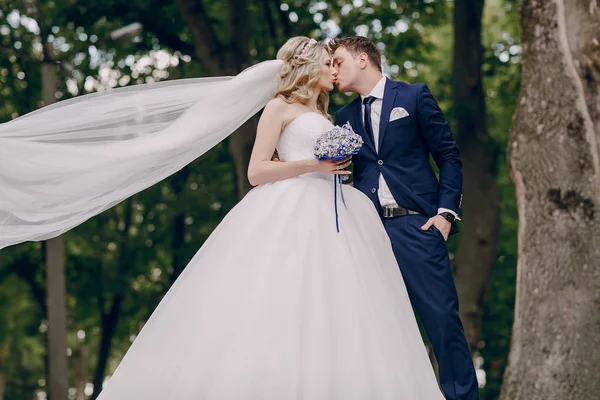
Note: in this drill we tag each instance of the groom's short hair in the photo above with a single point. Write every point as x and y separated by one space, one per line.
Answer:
356 45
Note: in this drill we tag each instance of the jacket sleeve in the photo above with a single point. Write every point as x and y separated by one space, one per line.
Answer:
442 146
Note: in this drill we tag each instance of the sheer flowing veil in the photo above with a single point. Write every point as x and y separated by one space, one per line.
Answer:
67 162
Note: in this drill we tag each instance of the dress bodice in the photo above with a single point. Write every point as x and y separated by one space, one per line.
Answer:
297 140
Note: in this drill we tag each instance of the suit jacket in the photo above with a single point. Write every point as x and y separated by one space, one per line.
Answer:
404 148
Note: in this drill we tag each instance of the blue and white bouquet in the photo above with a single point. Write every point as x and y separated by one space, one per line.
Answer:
337 144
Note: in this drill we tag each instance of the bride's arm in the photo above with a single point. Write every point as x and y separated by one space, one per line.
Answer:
261 169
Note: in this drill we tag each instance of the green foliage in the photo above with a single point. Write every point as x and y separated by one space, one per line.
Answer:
21 343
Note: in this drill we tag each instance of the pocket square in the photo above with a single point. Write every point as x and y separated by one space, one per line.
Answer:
398 113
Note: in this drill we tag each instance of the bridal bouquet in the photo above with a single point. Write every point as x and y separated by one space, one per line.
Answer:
338 143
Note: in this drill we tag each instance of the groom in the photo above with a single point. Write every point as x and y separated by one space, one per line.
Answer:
401 125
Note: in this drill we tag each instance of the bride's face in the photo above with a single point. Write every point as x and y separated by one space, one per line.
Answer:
327 73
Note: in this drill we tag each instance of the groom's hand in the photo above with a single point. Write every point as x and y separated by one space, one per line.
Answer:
440 223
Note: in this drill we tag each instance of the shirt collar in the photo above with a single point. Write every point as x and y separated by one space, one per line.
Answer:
378 90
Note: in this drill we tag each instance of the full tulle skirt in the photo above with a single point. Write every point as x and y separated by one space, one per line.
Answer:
279 305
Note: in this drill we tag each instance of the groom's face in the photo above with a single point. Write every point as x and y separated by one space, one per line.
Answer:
347 69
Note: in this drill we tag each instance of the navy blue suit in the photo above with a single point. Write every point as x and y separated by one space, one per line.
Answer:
403 159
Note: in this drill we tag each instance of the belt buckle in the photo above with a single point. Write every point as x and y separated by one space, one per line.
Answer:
388 212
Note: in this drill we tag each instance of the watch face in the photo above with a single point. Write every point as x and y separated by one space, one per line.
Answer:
449 217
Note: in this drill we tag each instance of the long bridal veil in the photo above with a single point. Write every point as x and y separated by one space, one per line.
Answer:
67 162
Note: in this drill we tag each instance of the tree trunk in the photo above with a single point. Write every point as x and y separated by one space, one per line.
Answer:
178 183
110 319
177 246
556 171
81 361
57 319
58 385
240 147
225 59
478 241
55 269
109 325
241 142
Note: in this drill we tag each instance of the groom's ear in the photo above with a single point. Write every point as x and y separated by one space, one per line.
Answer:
363 60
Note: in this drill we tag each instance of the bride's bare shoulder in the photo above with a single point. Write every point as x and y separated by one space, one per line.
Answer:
278 103
277 107
282 110
281 104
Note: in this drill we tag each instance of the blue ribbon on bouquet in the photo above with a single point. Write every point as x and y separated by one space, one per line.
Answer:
338 178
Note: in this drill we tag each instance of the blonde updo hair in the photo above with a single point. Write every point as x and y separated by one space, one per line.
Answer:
301 71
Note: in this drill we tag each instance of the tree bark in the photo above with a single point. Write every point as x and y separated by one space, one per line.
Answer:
555 167
241 142
178 183
206 43
56 307
225 59
81 359
55 268
57 319
240 148
479 238
110 319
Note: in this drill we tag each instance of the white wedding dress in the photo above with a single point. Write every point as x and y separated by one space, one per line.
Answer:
278 305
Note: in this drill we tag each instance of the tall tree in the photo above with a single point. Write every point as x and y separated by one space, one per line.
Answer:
80 356
478 242
225 57
110 318
555 161
58 385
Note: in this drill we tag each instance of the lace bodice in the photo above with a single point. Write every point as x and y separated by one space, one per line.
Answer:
298 139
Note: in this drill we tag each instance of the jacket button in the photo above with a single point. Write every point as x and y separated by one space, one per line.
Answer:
380 162
373 190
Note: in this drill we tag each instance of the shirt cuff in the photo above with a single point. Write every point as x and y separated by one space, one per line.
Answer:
441 210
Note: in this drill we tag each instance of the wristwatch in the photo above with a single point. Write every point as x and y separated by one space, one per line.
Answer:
448 216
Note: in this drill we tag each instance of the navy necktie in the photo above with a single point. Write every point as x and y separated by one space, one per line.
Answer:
367 101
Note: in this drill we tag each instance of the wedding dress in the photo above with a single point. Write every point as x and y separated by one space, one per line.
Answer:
278 305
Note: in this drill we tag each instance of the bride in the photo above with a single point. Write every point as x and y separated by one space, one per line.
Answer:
277 304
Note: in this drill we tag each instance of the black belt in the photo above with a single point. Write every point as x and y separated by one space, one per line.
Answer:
396 211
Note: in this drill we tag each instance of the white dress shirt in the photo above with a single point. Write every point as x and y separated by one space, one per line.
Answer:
385 195
386 198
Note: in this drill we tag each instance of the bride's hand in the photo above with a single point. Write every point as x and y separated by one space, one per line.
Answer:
332 167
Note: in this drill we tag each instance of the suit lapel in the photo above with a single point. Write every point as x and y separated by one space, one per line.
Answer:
359 125
389 97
